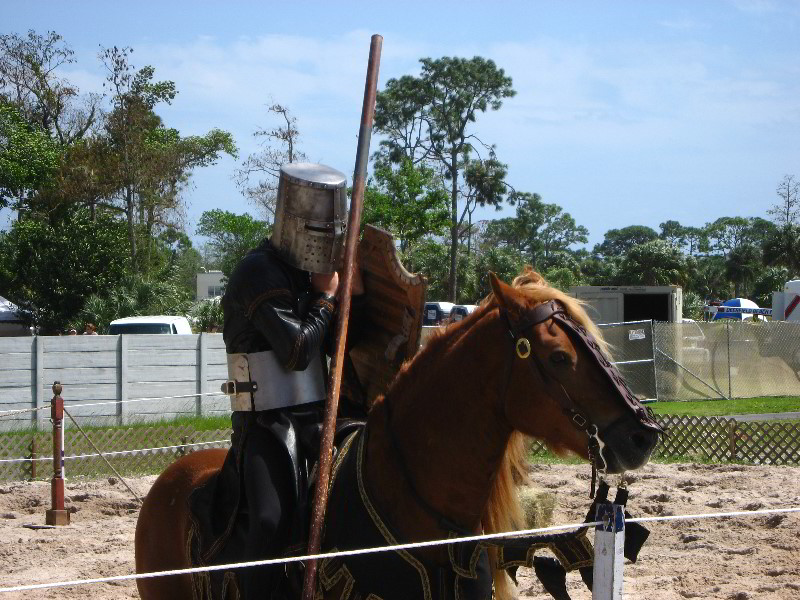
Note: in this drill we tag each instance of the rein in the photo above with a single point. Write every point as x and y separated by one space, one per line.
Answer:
522 345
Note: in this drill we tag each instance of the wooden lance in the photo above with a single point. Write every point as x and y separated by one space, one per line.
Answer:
345 287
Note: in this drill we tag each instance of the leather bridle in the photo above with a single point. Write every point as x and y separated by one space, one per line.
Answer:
522 347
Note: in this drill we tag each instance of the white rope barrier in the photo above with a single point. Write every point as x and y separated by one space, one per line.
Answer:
291 559
741 513
19 411
408 546
117 452
6 413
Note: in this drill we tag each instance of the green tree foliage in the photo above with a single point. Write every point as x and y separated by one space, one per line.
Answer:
179 256
484 184
258 176
564 261
696 240
407 201
508 232
782 248
134 295
768 280
207 315
600 271
29 80
692 305
562 278
543 232
431 258
742 266
28 157
149 164
231 236
653 263
673 233
786 211
558 233
42 116
506 263
50 270
708 278
727 233
429 118
618 242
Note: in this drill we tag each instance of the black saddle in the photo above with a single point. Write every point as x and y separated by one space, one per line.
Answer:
219 513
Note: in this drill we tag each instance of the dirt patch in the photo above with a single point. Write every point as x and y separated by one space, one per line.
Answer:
730 558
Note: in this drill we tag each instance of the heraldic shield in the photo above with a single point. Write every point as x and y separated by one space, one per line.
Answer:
393 317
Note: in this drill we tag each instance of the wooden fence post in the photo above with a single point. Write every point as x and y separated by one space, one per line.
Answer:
57 515
33 456
732 437
609 545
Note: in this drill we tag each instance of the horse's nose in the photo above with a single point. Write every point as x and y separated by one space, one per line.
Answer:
644 441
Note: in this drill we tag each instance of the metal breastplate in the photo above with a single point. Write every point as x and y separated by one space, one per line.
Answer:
268 385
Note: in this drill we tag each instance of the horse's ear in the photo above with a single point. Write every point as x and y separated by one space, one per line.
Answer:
507 297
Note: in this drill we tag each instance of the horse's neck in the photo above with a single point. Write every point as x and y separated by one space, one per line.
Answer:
450 432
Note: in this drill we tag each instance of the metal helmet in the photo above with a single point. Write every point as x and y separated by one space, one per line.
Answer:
311 216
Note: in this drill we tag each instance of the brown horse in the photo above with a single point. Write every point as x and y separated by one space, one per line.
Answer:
447 438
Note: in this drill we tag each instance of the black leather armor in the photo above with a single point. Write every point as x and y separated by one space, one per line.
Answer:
269 305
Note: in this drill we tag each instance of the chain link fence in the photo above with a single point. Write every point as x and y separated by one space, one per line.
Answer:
142 450
726 359
664 361
703 360
632 349
27 455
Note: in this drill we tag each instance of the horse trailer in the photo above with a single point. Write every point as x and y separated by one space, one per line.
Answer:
622 303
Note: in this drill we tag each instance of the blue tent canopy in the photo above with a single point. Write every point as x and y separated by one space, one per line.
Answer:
737 303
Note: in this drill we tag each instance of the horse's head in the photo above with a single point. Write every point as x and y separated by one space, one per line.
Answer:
560 386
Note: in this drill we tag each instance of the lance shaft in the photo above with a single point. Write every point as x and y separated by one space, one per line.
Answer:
337 360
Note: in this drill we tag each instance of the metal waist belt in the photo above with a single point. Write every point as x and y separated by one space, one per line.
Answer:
257 381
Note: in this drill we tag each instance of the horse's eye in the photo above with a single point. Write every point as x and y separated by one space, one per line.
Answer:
559 358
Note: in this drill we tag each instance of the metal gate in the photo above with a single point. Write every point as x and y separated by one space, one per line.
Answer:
632 351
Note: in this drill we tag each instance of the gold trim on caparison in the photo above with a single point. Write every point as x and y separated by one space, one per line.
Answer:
376 519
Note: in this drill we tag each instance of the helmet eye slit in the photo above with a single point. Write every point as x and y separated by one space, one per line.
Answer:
320 229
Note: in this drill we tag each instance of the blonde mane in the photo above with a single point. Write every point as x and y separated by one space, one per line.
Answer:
504 511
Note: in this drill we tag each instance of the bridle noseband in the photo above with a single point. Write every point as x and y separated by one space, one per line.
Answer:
522 346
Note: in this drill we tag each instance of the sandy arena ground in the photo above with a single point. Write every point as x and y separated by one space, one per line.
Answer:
731 558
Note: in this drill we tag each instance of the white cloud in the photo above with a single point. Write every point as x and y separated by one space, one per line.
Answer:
639 89
610 117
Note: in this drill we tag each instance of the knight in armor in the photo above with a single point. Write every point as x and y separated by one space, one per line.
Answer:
279 309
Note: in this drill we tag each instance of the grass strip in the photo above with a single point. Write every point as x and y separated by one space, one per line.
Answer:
736 406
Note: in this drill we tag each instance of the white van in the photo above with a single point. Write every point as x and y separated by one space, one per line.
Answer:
151 324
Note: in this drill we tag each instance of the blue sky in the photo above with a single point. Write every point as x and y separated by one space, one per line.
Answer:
626 112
